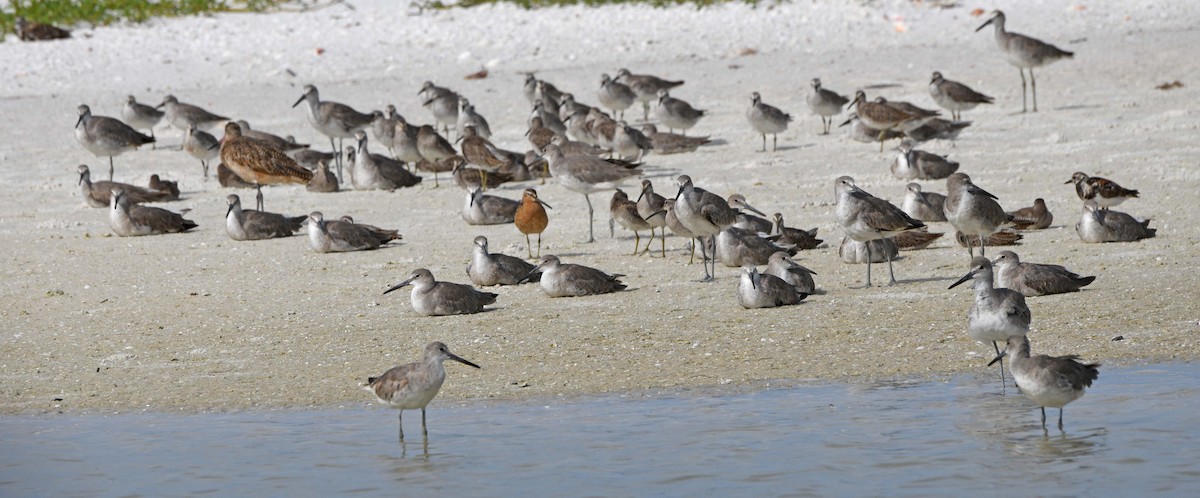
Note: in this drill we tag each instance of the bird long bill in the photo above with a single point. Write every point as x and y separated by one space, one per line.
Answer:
230 210
964 278
751 208
539 201
80 120
298 101
459 359
998 357
846 122
399 285
81 175
985 24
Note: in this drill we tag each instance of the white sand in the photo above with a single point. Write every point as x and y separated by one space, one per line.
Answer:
196 321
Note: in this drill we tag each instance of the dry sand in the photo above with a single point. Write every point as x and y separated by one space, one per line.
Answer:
193 322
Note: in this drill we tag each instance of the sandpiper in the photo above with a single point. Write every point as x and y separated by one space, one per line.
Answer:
651 207
377 172
767 119
345 236
308 157
781 265
106 137
1035 217
129 220
1051 381
1024 52
1105 225
883 117
545 91
998 313
672 143
865 217
853 252
141 116
938 129
99 194
442 104
184 116
531 217
615 95
487 269
433 147
629 143
412 386
539 136
404 141
469 178
646 87
587 175
570 280
676 113
704 214
763 290
383 126
247 224
625 213
549 119
913 164
484 209
972 210
259 163
167 187
677 227
332 119
826 104
745 220
915 239
1002 237
1104 192
433 298
954 96
736 247
479 152
468 117
860 132
924 206
323 180
201 145
788 236
1033 279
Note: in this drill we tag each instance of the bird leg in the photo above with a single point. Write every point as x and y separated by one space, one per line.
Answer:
204 165
337 159
110 168
529 248
153 143
424 432
764 148
258 198
401 417
1060 410
483 180
637 241
645 111
591 236
774 142
891 273
662 239
539 253
1033 86
982 246
868 265
704 259
1002 385
1022 71
1043 418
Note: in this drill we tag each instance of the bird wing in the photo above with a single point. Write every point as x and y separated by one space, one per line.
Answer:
159 218
394 381
351 235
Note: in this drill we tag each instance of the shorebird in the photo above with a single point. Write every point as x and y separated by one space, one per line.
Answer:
479 152
913 164
972 210
276 141
345 236
998 313
676 113
170 188
1035 217
924 206
865 217
1033 279
677 227
646 87
615 95
938 129
569 107
1104 192
228 179
549 119
924 116
323 180
854 252
308 157
473 178
570 280
201 145
129 220
587 175
1003 237
433 298
539 136
1048 381
629 143
651 207
99 194
548 94
248 224
404 141
826 104
1104 225
412 386
484 209
782 266
788 236
332 119
883 117
954 96
259 163
140 116
915 240
735 247
442 103
532 92
625 213
767 119
106 137
184 116
36 31
433 147
745 220
487 269
1024 52
705 215
530 217
672 143
860 132
376 172
383 126
468 117
763 290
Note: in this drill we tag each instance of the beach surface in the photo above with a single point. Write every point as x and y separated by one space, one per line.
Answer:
192 322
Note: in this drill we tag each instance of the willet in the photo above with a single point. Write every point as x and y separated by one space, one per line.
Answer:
630 143
672 143
763 290
479 152
915 240
615 95
569 107
767 119
442 103
106 137
625 213
433 147
1048 381
99 194
484 209
129 220
1024 52
1002 237
332 119
536 90
883 117
548 94
924 206
531 217
140 116
201 145
487 269
781 265
383 126
404 142
376 172
938 129
1104 225
646 87
587 175
745 220
913 164
247 224
865 217
271 139
954 96
323 180
788 236
36 31
998 313
736 247
259 163
826 104
570 280
972 210
170 188
468 117
860 132
549 119
183 116
1104 192
705 215
854 252
676 113
651 207
1035 217
412 386
1033 279
677 227
433 298
344 236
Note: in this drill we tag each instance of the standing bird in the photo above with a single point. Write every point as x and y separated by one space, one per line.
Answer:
704 214
1051 381
767 119
651 207
433 147
954 96
646 87
384 127
570 280
530 217
468 117
998 313
615 95
480 152
201 145
677 228
1104 225
1104 192
625 213
248 224
1035 217
587 175
345 235
129 220
865 218
1024 52
826 104
258 163
99 194
141 116
412 386
433 298
763 290
676 113
972 210
36 31
333 119
442 103
1033 279
883 117
106 137
184 116
487 269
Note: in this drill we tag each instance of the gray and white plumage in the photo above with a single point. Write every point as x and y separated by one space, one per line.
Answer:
762 290
672 143
1048 381
140 116
767 120
864 217
487 269
615 95
430 297
441 102
938 129
201 145
1105 225
998 313
377 172
676 113
954 96
1034 279
924 206
484 209
788 236
323 180
414 385
914 164
248 224
736 247
1035 217
344 236
106 137
128 220
625 213
781 265
99 194
915 239
1023 52
825 103
586 175
853 252
858 131
184 116
571 280
972 210
646 87
468 117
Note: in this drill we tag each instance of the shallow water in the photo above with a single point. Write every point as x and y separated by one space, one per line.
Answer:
1136 433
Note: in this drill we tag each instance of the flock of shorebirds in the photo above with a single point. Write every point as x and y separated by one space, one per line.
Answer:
588 150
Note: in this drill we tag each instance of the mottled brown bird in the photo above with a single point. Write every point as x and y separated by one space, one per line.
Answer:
256 162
